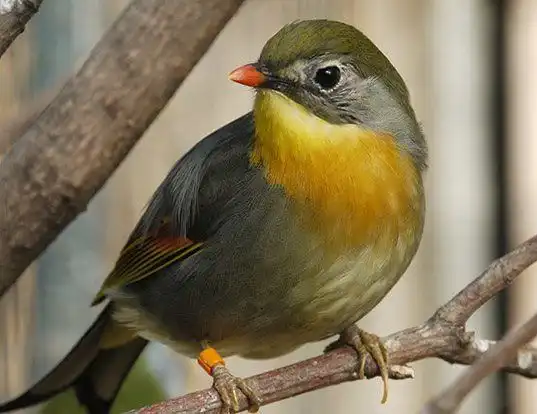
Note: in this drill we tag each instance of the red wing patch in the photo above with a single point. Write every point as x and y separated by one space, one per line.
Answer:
145 256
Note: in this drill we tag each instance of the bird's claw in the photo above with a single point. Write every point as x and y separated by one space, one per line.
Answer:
366 344
227 385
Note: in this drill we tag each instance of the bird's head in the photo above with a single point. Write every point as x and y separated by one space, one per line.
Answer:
334 72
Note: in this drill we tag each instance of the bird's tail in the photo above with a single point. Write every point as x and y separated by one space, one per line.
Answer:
95 373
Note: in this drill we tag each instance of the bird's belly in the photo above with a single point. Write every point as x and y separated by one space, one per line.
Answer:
346 292
307 301
323 303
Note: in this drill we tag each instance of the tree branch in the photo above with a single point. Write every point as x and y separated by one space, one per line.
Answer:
16 123
500 274
53 170
499 355
14 14
442 336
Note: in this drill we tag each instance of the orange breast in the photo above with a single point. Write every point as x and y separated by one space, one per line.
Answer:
350 185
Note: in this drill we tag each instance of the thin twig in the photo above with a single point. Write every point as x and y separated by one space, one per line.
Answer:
442 336
500 274
499 355
49 175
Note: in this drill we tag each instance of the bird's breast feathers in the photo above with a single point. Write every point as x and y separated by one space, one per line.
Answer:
352 186
356 191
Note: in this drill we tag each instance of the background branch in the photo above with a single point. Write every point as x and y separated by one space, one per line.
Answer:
499 355
14 14
442 336
19 121
52 171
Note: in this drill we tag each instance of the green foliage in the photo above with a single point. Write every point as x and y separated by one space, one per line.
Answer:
139 389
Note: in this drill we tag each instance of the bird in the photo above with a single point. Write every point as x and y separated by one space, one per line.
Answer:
284 227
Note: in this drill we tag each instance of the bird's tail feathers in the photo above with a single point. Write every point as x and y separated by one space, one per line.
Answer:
95 373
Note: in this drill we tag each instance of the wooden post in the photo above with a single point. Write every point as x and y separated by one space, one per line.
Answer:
522 171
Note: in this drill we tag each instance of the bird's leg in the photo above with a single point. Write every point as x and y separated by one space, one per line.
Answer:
226 384
365 343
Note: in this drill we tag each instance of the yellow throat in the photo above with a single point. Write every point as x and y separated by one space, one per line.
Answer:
353 185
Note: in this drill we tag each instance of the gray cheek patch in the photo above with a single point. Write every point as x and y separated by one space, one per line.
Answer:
380 111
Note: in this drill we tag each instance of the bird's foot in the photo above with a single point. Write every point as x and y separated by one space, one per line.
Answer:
228 387
226 384
365 344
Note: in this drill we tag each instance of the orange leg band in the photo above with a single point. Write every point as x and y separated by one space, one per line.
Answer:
209 358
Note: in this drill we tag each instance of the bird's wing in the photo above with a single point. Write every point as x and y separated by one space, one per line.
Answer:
180 214
145 255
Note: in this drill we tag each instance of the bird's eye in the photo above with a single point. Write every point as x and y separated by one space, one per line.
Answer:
328 77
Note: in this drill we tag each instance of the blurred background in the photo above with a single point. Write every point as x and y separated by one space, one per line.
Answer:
470 67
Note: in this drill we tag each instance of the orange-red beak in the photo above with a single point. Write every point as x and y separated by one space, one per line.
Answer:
248 75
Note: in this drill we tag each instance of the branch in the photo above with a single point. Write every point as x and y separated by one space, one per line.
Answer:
52 171
16 123
442 336
14 14
499 355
